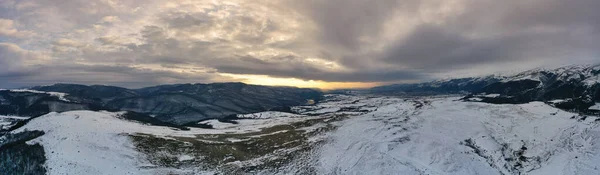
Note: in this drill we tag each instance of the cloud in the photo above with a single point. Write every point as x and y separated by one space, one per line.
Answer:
308 74
290 66
123 75
447 37
7 28
120 75
146 42
113 40
67 43
341 24
110 19
14 62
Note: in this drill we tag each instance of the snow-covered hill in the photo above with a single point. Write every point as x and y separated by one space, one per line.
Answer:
443 136
341 135
89 142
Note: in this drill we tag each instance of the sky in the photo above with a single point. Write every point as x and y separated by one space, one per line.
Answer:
324 44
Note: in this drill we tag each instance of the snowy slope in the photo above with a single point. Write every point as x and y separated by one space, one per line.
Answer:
88 142
449 137
84 142
377 135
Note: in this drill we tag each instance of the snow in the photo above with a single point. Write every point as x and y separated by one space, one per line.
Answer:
247 125
322 110
593 80
401 139
8 121
85 142
273 133
534 75
585 74
233 140
267 115
88 142
420 135
492 95
185 158
312 128
557 101
13 117
595 106
475 99
60 95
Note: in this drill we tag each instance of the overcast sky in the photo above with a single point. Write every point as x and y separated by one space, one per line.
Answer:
308 43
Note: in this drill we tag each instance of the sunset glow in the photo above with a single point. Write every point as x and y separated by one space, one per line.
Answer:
270 81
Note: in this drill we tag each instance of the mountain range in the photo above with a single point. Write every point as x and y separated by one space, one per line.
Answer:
569 87
177 104
451 126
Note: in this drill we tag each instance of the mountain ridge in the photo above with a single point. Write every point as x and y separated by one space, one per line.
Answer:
177 103
577 85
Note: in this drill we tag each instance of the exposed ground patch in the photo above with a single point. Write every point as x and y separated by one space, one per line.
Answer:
269 148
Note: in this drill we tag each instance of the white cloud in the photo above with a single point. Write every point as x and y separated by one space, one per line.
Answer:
8 28
110 19
68 43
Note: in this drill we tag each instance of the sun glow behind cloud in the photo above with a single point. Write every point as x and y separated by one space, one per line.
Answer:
271 81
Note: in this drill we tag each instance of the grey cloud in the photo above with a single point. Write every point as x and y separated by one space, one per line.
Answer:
185 20
342 22
518 15
52 16
351 33
110 40
12 61
120 75
508 32
293 67
464 40
153 33
483 33
430 47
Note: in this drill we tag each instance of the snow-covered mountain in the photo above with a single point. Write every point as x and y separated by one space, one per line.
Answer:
180 103
340 135
576 83
543 121
446 86
577 86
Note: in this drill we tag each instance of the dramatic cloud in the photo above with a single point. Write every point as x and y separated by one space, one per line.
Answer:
281 42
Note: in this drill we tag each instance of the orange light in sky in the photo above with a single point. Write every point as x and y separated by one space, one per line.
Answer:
271 81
